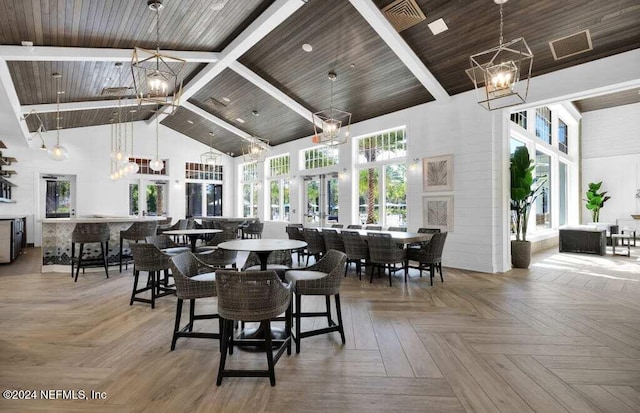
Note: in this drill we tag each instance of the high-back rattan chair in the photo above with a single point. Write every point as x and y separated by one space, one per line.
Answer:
253 230
295 232
138 231
147 257
356 249
165 244
384 252
253 296
373 227
423 230
278 261
430 255
332 240
354 226
192 283
322 278
89 233
227 234
315 243
219 258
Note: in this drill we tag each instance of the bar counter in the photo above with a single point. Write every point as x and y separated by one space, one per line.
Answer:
56 239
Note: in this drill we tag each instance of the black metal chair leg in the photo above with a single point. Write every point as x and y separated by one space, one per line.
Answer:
104 259
176 327
192 313
223 352
79 262
390 272
339 311
269 349
136 274
298 310
121 241
328 305
152 275
73 257
431 270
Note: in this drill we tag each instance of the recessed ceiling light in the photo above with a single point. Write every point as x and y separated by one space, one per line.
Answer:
240 120
226 99
26 43
307 47
352 65
219 5
133 110
438 26
189 121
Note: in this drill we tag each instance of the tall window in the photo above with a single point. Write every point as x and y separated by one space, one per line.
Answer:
319 157
279 199
203 198
382 185
563 136
249 173
543 124
134 195
154 201
562 193
543 202
520 118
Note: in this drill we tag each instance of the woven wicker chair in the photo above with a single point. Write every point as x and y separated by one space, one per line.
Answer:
332 240
278 261
165 244
322 278
253 230
87 234
191 284
373 227
430 255
384 252
219 258
315 243
147 257
227 234
253 296
295 232
423 243
356 249
398 229
138 231
337 226
353 226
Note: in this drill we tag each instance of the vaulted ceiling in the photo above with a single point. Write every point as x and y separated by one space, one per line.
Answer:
246 56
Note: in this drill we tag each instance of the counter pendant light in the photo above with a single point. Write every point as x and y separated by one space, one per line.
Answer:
501 75
210 157
131 167
58 152
157 164
256 148
331 126
155 74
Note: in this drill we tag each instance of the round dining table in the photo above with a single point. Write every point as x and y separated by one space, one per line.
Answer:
193 234
262 247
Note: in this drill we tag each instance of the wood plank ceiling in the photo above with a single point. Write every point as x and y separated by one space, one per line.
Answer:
625 97
372 79
92 117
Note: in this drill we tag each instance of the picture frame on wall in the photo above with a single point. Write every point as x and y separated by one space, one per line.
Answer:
437 173
437 212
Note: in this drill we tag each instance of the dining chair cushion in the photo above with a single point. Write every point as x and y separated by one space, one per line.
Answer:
175 250
274 267
207 276
303 275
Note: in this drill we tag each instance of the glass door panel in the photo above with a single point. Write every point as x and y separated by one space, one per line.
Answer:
395 195
368 195
155 199
312 201
58 198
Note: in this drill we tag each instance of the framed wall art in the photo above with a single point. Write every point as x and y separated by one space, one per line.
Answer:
437 173
437 212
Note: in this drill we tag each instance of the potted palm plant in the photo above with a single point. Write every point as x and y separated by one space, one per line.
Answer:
595 200
525 189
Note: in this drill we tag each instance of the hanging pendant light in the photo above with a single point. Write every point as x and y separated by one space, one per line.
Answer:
157 164
131 167
58 152
156 75
331 126
501 75
256 148
210 157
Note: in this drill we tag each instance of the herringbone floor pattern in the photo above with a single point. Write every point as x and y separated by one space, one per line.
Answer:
561 336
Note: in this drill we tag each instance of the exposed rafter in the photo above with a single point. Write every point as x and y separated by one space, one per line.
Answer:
220 122
271 18
385 30
12 97
81 54
88 105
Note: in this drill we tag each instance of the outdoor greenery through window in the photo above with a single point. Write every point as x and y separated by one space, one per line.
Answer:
543 124
320 157
249 173
58 202
279 199
382 186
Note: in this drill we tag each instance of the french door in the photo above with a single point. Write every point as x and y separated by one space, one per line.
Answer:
320 199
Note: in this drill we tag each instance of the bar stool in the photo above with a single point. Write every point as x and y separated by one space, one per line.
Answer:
138 231
86 234
147 257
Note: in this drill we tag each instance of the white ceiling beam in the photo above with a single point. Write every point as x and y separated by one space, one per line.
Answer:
12 97
385 30
81 54
271 18
213 118
88 105
273 91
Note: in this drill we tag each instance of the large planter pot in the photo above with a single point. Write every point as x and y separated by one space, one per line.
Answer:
520 254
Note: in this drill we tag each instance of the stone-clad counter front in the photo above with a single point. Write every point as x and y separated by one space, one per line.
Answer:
56 240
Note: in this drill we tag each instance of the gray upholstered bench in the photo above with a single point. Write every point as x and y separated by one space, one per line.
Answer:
583 239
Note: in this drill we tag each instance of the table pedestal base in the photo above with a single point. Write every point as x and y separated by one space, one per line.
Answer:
258 333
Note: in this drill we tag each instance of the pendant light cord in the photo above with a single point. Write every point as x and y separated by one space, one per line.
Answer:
501 25
58 112
157 133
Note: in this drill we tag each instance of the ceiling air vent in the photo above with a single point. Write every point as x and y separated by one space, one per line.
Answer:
213 102
571 45
403 14
115 91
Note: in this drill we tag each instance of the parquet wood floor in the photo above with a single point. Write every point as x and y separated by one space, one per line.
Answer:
561 336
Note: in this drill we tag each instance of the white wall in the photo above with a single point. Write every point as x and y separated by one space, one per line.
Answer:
89 160
611 154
